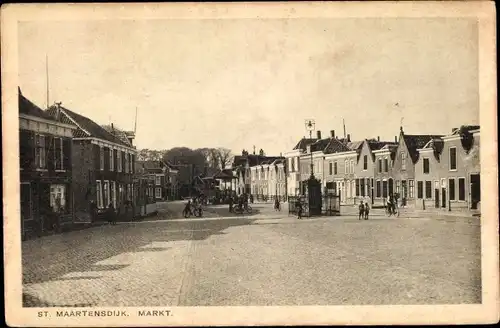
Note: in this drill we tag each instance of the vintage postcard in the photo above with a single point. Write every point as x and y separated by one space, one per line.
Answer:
250 163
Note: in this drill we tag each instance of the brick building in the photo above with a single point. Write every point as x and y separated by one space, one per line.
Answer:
46 166
104 166
158 172
448 171
404 165
383 172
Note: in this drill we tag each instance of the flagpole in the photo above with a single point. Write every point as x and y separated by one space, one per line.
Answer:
135 123
47 76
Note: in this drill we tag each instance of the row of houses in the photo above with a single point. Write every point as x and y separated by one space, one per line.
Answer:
70 166
427 171
440 171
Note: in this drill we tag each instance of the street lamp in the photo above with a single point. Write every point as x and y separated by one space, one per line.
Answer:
310 125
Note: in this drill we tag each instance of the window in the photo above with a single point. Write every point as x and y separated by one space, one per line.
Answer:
335 168
58 198
428 189
58 154
105 194
461 188
380 165
451 187
352 166
40 152
157 180
426 165
158 192
412 188
404 189
365 162
362 186
386 165
131 164
99 194
453 158
330 168
384 188
357 187
111 159
119 160
101 159
378 189
113 193
346 169
403 161
420 189
398 186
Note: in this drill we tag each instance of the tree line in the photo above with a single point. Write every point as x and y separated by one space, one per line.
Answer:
217 158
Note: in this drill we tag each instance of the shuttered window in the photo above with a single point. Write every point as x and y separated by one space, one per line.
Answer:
420 189
461 188
453 158
428 189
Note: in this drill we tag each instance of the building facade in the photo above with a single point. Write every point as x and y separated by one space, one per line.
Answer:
104 167
46 193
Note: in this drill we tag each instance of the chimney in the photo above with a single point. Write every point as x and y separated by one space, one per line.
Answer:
332 133
378 138
319 134
348 138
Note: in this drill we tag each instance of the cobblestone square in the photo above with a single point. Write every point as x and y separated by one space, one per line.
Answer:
268 259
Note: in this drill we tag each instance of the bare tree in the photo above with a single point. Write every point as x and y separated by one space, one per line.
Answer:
225 157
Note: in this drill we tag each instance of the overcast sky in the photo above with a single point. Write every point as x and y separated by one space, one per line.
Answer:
239 83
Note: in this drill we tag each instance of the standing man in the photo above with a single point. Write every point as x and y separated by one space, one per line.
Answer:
298 206
361 210
367 210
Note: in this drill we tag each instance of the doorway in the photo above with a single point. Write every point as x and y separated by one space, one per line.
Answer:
475 190
443 197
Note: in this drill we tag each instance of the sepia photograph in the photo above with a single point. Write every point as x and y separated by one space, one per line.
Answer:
249 164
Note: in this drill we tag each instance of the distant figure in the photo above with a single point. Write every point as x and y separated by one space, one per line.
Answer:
230 204
251 198
277 205
111 215
361 210
187 208
367 210
93 211
390 204
298 206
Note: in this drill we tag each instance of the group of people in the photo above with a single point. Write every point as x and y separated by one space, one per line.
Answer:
364 210
392 204
241 201
193 204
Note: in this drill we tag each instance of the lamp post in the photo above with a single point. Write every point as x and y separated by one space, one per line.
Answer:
310 124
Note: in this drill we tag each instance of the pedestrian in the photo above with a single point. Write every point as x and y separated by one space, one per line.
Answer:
367 210
389 204
230 204
298 206
361 210
277 204
111 214
93 211
251 198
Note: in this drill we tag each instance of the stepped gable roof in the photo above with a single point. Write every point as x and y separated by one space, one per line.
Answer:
28 108
336 146
303 143
121 134
87 128
417 141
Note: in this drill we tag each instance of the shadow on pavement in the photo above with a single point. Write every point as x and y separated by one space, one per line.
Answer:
47 259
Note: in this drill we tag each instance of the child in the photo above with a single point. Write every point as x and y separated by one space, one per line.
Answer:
367 210
361 210
299 209
277 204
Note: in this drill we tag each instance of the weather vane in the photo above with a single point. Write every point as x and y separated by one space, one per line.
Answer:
310 125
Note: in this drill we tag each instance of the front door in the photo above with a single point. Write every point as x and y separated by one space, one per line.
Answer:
475 190
436 197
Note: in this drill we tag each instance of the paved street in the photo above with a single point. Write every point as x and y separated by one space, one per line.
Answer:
264 259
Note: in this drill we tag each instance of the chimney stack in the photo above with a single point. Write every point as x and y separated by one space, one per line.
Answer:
378 138
332 133
319 134
348 138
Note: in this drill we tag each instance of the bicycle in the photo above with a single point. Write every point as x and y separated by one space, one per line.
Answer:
242 209
197 212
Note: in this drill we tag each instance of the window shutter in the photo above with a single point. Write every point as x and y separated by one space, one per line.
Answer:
97 157
123 161
50 152
67 153
115 160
